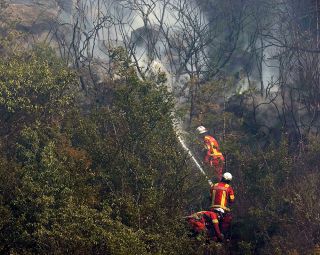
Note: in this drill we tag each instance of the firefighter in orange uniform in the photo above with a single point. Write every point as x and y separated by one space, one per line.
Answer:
206 221
222 195
213 155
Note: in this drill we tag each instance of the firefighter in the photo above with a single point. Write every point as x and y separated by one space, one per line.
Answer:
206 221
222 195
213 156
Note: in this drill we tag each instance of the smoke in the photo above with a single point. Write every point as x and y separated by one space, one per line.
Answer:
157 66
148 29
270 69
167 36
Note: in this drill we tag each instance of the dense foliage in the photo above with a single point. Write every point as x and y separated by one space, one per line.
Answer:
110 178
276 179
93 166
105 174
89 178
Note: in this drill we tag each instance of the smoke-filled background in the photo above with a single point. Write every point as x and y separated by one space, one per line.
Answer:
259 46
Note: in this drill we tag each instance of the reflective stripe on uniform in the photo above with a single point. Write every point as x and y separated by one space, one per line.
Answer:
223 198
220 195
215 153
214 149
220 188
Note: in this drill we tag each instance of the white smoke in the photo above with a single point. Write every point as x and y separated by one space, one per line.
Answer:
158 36
157 66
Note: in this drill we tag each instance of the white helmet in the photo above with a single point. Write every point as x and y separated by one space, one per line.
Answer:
219 210
227 176
201 130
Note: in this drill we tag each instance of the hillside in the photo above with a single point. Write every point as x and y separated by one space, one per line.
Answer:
91 161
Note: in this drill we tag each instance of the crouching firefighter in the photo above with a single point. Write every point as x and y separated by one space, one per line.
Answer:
206 222
222 195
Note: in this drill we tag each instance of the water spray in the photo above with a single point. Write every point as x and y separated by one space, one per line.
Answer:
158 66
184 146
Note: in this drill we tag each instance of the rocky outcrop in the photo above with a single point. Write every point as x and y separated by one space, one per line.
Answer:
38 16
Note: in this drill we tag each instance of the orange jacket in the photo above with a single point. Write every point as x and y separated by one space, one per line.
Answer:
212 148
200 220
221 195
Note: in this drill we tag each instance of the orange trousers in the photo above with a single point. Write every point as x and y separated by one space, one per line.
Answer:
217 163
